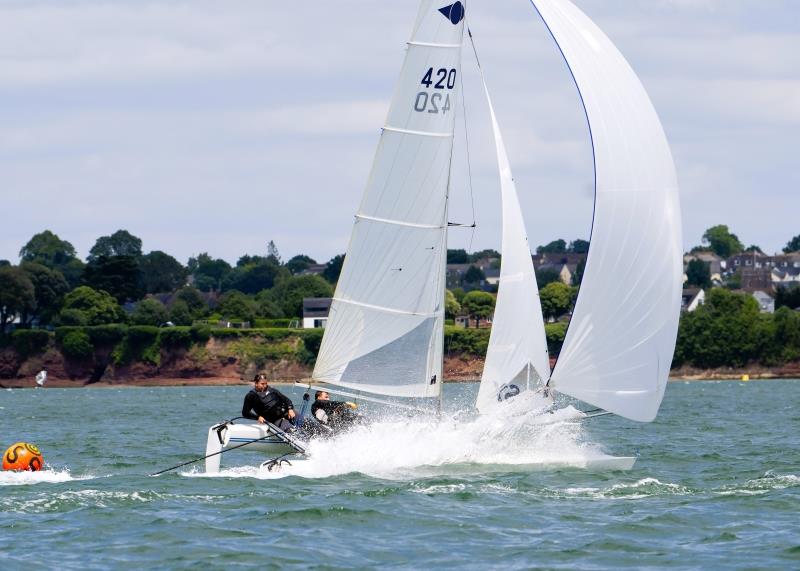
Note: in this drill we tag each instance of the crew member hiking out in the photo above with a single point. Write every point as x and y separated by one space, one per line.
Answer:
335 414
267 404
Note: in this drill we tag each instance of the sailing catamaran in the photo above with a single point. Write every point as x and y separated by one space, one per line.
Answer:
385 330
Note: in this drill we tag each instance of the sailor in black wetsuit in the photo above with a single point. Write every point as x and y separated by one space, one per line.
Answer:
335 414
266 404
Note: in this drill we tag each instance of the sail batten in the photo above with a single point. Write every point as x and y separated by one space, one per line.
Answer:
397 222
434 45
417 133
386 323
385 308
625 320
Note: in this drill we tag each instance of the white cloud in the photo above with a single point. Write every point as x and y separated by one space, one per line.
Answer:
218 126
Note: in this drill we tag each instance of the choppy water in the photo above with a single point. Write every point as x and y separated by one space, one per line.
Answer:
717 485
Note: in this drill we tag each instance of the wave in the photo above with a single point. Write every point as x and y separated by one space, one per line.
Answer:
761 485
47 476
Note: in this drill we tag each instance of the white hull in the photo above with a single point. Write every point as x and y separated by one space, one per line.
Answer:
224 437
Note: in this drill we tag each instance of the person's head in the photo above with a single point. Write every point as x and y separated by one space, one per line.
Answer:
322 395
260 382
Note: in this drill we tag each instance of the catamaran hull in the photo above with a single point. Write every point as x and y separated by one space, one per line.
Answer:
226 436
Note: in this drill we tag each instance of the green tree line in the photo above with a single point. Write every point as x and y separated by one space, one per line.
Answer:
118 284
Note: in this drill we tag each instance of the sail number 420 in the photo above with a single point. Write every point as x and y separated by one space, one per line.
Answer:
435 102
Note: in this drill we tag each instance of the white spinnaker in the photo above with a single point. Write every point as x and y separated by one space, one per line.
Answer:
517 357
620 341
385 329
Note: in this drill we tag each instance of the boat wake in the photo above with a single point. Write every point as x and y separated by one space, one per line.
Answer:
48 476
404 448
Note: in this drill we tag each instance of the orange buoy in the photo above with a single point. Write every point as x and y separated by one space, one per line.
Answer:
23 456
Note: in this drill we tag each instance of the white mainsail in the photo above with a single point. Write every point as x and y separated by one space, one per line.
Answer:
620 342
385 328
517 357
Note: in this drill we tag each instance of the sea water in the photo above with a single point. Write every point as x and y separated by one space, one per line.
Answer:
716 485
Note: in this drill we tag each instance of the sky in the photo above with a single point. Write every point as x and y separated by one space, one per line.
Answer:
209 126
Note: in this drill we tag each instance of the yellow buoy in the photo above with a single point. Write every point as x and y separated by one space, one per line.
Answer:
745 377
23 456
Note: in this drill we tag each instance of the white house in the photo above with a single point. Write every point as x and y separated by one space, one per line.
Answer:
315 311
692 298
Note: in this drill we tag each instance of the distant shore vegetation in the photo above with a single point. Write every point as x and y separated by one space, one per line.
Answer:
140 304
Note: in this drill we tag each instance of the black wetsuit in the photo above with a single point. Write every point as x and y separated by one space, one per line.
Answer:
336 413
273 405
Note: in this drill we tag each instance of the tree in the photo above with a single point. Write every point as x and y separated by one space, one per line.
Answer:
546 276
149 311
721 241
248 260
236 305
4 263
451 305
333 268
118 275
556 299
289 293
754 248
267 307
299 263
698 274
179 313
207 272
787 297
579 246
725 331
160 272
72 272
457 257
734 281
94 307
17 295
787 332
49 290
577 277
555 247
272 253
252 278
47 249
473 275
478 305
120 243
484 254
195 302
792 245
51 251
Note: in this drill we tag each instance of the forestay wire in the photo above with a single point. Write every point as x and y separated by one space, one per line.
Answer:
469 167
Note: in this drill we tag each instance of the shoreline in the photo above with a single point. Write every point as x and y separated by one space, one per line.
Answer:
225 381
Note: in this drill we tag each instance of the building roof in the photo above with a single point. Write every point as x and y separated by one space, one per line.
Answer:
560 259
316 306
314 269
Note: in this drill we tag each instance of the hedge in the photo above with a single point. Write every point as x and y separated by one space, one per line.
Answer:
76 344
273 323
176 337
458 340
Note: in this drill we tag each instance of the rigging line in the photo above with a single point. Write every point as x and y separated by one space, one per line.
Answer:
466 141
